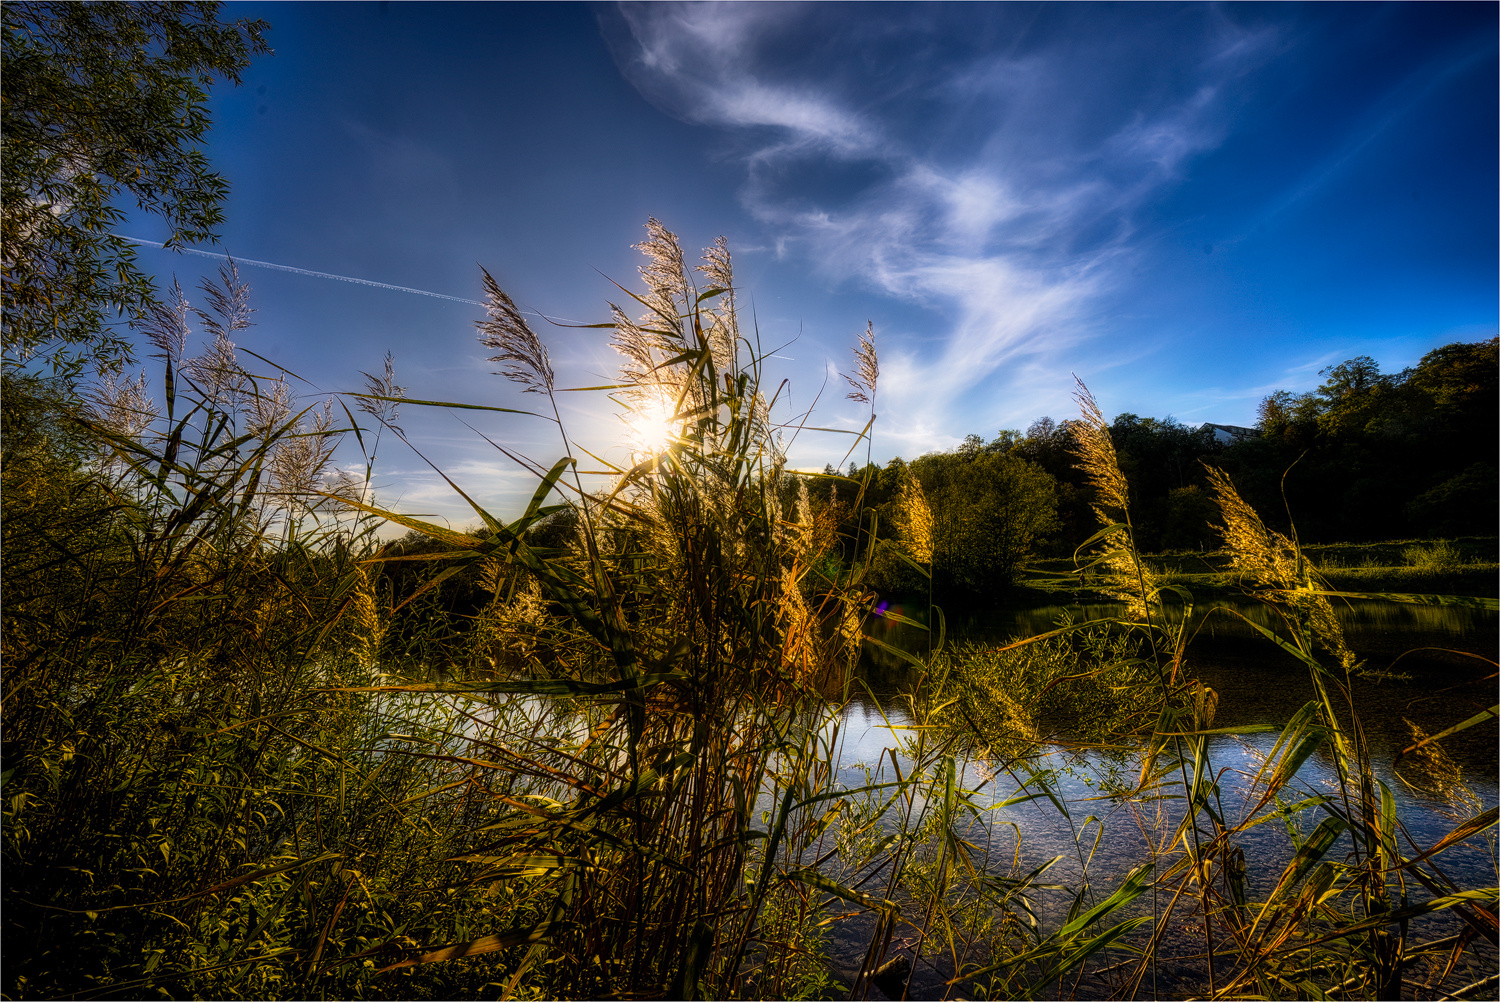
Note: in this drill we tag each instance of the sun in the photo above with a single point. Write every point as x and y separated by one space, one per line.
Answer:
649 427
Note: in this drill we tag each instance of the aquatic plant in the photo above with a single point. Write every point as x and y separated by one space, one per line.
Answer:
246 757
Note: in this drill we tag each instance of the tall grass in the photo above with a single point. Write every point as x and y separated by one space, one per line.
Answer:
186 800
213 787
230 769
1337 920
1342 918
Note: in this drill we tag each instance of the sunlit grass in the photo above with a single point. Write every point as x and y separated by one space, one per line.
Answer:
249 752
649 427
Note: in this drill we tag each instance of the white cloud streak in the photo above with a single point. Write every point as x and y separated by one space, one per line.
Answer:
1004 198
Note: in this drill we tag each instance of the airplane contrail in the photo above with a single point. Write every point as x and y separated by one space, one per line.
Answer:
308 272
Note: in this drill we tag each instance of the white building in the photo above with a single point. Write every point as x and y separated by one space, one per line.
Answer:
1228 434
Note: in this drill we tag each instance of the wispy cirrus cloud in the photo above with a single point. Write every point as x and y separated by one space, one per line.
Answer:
994 170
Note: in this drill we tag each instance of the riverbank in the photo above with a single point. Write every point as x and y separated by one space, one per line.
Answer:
1464 567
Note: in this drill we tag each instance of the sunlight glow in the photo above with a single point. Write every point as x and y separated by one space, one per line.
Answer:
650 427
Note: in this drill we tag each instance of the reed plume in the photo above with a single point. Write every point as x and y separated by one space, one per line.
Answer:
660 334
217 371
723 328
666 284
270 410
867 367
166 325
383 395
1123 575
1095 452
1277 572
122 406
637 345
522 353
229 303
369 622
300 461
913 518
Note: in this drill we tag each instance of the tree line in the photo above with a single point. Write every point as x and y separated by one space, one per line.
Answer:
1365 456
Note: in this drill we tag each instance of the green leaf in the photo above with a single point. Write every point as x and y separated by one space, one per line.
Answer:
1483 896
1481 717
1467 601
449 404
540 933
1318 843
895 617
814 878
1467 829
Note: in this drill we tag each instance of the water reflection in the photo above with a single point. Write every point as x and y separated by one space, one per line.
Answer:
1442 656
1258 684
1131 829
1378 625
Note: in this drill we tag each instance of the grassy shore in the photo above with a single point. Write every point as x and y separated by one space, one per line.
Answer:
1464 567
231 770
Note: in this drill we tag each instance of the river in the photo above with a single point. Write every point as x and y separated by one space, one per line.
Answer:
1441 682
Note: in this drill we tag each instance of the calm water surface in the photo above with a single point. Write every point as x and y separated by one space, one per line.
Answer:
1257 684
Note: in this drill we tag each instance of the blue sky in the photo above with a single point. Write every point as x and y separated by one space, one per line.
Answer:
1189 206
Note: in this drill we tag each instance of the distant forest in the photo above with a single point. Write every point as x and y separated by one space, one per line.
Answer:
1365 456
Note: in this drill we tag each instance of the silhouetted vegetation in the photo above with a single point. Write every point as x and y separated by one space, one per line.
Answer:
252 751
1365 457
595 749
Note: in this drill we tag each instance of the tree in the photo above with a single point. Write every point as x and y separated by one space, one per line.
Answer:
989 512
1370 455
101 100
1460 380
1357 375
1006 440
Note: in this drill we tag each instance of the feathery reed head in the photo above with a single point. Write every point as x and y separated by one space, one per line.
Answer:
165 324
723 329
868 365
1278 571
384 386
505 329
717 265
914 517
1122 573
1267 557
229 303
1096 453
269 411
123 407
666 283
300 460
636 344
217 371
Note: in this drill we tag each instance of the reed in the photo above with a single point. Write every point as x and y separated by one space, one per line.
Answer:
245 757
1328 923
1340 920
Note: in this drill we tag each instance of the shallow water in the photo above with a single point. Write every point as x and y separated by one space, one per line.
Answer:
1445 654
1257 684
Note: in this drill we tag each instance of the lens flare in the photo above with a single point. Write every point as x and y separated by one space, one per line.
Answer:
650 427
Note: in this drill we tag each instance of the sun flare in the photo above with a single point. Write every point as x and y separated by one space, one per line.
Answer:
649 427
